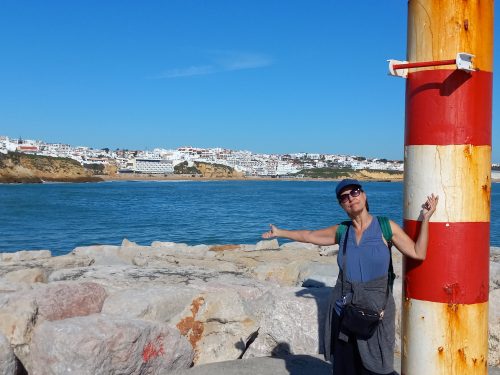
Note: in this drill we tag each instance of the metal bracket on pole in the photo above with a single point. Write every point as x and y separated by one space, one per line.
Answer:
399 72
463 61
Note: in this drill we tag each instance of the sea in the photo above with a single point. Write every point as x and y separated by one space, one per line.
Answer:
62 216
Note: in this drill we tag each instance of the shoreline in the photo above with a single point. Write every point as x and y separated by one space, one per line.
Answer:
183 177
142 177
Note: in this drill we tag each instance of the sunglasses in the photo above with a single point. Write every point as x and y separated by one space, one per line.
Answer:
353 193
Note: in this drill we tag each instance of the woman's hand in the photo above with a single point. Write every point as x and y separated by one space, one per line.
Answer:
429 207
273 232
418 249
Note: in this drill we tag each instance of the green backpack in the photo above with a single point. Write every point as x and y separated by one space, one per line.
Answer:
386 231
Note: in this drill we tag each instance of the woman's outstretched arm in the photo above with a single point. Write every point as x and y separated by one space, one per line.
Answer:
418 249
322 237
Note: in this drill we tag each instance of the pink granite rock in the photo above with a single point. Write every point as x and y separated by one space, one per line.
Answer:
65 300
101 344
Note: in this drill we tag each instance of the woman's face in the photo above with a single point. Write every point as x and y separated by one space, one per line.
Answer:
352 199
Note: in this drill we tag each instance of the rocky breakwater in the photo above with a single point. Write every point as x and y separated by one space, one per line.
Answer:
134 309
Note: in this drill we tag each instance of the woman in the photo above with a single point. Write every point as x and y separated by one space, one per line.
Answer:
365 283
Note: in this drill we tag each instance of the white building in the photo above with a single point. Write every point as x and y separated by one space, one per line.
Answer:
152 165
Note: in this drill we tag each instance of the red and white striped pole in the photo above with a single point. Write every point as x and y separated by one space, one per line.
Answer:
448 152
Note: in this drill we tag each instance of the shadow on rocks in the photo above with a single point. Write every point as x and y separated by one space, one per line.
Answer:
301 364
321 294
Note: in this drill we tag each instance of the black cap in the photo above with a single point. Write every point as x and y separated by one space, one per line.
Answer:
345 183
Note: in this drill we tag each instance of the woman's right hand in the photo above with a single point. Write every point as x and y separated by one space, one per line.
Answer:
273 232
429 207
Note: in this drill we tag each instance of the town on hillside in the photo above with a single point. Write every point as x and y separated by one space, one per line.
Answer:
163 161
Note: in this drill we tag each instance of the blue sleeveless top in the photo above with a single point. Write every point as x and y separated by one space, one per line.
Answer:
367 261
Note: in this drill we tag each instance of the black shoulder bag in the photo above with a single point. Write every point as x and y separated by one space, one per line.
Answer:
356 320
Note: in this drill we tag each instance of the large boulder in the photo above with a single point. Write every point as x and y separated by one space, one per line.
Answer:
284 274
18 316
36 267
21 311
161 304
100 254
267 245
7 358
318 275
291 320
218 326
25 255
99 344
65 300
27 275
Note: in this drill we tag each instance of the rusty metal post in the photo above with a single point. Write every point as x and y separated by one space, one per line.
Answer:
448 152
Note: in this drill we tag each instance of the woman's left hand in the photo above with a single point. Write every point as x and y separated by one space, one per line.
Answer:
429 206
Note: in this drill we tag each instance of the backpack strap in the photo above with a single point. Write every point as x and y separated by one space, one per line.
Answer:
385 225
341 228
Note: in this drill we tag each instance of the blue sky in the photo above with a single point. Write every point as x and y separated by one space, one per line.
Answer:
270 76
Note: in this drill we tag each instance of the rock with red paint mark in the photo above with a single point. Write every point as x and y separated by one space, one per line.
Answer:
21 311
7 358
101 344
218 326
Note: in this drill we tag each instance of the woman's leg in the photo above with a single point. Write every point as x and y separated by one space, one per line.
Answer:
346 359
364 371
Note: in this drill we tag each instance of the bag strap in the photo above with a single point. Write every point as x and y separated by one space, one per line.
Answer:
345 225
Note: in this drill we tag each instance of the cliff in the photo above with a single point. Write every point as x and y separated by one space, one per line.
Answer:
217 170
378 175
340 173
206 170
18 167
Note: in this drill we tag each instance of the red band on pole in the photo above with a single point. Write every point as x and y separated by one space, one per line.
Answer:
448 107
456 267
